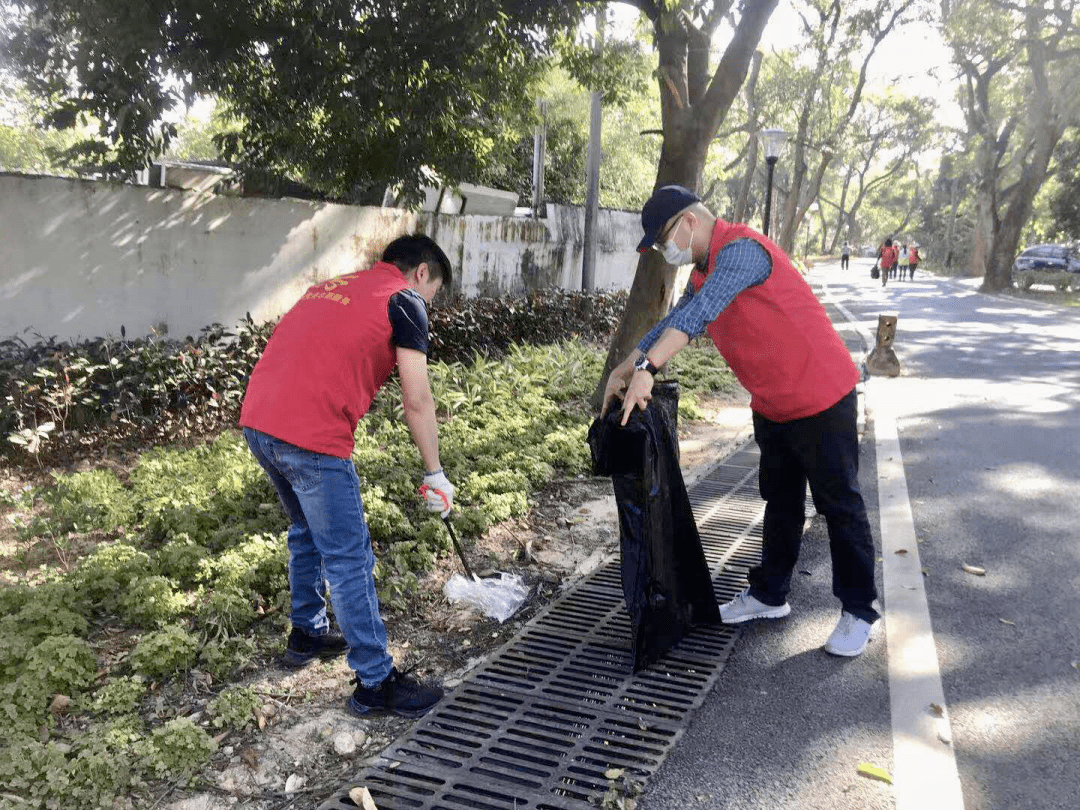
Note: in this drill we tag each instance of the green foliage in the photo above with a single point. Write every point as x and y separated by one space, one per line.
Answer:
312 91
151 601
103 764
220 658
164 652
149 389
463 327
702 369
225 611
182 560
105 574
62 664
178 749
234 708
260 563
120 696
94 499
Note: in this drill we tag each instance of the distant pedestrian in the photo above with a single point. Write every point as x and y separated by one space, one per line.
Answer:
913 260
887 260
845 254
902 262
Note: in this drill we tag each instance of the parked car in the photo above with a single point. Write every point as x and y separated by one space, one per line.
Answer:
1051 258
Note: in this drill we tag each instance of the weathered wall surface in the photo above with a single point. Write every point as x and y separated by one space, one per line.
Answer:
80 258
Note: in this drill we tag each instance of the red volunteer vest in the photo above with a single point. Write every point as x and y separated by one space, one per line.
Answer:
778 339
888 256
327 358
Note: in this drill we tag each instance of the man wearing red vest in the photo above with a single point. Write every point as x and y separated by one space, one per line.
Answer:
779 342
327 358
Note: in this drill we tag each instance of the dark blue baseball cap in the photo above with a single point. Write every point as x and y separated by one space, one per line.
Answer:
664 203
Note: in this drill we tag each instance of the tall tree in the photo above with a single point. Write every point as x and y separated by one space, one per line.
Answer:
1020 65
694 101
884 138
832 29
352 95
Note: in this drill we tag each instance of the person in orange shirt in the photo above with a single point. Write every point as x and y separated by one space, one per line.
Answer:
887 254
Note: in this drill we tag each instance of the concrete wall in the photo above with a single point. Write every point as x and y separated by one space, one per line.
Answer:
79 259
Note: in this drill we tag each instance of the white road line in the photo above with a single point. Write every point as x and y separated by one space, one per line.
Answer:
925 776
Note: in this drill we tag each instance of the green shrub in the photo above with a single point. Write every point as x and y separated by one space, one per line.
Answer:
88 500
195 492
181 560
107 572
164 652
120 696
225 611
34 772
234 708
61 663
100 767
220 658
178 749
151 601
148 389
490 326
260 563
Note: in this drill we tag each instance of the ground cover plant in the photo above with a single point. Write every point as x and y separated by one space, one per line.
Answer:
174 570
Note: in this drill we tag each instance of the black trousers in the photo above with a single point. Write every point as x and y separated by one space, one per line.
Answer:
822 450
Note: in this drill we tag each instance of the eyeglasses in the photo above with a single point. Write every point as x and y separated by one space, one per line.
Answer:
662 237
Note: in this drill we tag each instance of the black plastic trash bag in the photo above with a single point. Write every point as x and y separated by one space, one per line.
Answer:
664 574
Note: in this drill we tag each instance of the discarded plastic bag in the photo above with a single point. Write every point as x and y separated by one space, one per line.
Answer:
497 598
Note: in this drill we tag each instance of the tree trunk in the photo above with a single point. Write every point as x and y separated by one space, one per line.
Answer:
692 109
742 205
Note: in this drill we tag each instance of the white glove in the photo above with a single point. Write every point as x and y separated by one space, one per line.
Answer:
438 492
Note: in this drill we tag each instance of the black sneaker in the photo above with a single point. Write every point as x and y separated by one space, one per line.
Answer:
303 648
398 694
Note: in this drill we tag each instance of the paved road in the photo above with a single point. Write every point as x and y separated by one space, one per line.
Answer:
987 412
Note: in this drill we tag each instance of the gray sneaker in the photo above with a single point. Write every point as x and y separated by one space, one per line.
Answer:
744 607
850 637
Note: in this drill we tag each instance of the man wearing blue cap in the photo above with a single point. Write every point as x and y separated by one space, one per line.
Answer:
778 340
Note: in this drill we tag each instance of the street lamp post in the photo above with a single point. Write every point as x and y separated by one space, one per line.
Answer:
773 141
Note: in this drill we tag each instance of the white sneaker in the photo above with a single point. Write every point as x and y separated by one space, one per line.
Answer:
744 607
850 637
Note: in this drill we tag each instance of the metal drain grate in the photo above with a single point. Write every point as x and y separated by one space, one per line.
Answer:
538 724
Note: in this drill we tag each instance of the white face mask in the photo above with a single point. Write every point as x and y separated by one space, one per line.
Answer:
675 255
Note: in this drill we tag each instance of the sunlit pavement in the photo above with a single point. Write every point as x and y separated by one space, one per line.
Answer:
987 415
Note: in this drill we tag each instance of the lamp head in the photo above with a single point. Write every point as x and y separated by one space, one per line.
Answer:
773 141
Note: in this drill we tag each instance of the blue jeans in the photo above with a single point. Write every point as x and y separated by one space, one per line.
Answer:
824 451
328 542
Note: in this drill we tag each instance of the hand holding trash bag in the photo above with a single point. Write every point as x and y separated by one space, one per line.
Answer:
638 393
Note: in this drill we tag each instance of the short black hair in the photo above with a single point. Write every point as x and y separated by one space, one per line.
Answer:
410 251
888 242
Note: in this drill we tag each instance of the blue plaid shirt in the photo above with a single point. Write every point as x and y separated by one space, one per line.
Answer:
741 264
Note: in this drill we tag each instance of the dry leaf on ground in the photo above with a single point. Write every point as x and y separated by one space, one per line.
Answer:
361 797
871 771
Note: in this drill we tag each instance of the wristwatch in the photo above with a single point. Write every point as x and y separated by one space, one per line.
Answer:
645 364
